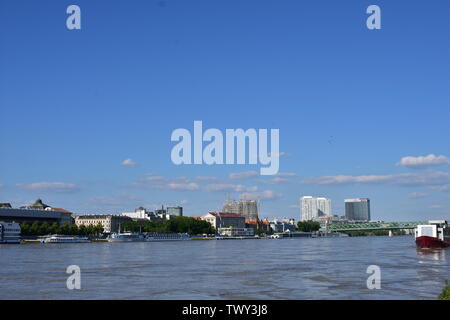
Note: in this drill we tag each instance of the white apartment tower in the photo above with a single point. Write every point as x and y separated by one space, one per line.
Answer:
245 208
312 207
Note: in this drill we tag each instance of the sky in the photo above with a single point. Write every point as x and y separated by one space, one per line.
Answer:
87 115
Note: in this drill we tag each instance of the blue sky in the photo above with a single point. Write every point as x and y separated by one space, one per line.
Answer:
349 102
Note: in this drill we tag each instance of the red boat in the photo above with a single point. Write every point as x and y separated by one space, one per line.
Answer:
435 234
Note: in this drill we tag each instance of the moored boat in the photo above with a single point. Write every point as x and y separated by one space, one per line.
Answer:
126 237
9 233
435 234
167 237
64 239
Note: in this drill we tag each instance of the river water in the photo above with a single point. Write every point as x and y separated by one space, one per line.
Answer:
305 268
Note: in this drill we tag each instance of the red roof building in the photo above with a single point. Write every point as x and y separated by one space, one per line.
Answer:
224 219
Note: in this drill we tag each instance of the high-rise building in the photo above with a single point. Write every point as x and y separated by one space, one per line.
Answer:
139 214
357 209
175 211
245 208
312 207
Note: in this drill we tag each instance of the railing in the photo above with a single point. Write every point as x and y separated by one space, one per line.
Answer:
374 226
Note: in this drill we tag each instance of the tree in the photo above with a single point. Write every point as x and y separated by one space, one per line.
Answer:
53 228
90 230
445 295
98 229
64 229
34 229
24 229
74 229
43 229
82 230
308 226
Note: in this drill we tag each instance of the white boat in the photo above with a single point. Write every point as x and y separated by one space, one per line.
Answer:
167 237
9 233
126 237
435 234
65 239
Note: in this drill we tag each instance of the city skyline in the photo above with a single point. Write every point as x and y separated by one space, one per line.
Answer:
87 114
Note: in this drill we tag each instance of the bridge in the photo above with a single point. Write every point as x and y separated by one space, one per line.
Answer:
370 226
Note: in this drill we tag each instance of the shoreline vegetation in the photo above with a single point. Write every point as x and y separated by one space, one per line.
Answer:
445 294
375 233
175 225
41 229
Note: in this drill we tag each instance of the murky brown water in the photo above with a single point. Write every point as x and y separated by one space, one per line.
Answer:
330 268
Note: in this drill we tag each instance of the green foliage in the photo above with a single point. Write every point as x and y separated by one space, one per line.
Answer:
64 229
53 228
176 224
308 226
34 229
40 229
445 295
98 229
374 233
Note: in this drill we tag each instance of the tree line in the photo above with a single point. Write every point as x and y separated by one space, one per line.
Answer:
176 224
308 226
356 233
41 229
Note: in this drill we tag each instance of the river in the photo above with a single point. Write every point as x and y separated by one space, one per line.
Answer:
299 268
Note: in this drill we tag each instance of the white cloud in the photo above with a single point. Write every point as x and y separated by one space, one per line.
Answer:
281 177
286 174
162 183
294 206
58 187
435 206
128 163
445 187
182 186
417 195
243 175
152 178
424 161
276 180
427 178
267 194
201 178
229 187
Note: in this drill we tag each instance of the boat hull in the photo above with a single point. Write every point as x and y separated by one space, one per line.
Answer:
125 240
154 240
431 242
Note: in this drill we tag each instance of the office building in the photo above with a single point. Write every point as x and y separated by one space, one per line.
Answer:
139 214
246 208
175 211
224 220
357 209
312 207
